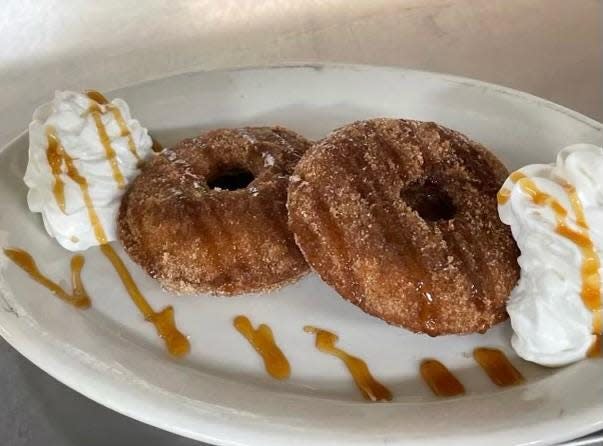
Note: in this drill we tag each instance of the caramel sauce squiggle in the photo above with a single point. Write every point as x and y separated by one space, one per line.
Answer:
439 379
370 388
595 349
78 297
497 366
176 343
262 340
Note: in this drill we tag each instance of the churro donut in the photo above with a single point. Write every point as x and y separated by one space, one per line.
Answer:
400 218
209 215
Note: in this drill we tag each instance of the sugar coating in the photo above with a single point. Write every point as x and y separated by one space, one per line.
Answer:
195 239
355 229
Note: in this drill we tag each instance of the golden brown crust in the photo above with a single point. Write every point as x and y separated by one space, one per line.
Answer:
194 238
351 202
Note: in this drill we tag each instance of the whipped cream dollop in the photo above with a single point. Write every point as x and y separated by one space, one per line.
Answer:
75 139
556 215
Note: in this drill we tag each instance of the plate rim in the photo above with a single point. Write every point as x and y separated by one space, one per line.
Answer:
16 334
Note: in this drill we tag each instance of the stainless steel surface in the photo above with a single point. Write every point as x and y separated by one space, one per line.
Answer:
551 48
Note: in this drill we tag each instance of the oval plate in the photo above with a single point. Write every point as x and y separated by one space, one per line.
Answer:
220 392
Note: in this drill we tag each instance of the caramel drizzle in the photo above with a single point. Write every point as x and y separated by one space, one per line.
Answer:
96 113
97 97
78 298
595 349
262 340
370 388
439 379
125 131
504 194
100 99
59 156
157 147
576 205
591 293
176 343
591 279
55 161
542 198
497 366
516 176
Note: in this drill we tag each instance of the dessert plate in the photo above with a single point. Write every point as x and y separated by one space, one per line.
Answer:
220 392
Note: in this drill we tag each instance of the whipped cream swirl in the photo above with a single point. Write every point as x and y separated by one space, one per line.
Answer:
105 146
556 215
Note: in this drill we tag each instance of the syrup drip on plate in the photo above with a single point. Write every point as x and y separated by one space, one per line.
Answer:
176 343
370 388
262 340
595 349
497 366
439 379
78 297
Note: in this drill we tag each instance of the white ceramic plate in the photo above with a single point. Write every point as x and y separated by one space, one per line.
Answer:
220 393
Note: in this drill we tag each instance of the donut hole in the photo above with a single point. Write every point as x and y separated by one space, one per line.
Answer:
429 200
231 178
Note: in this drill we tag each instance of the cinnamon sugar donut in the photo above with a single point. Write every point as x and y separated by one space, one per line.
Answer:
400 217
209 215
